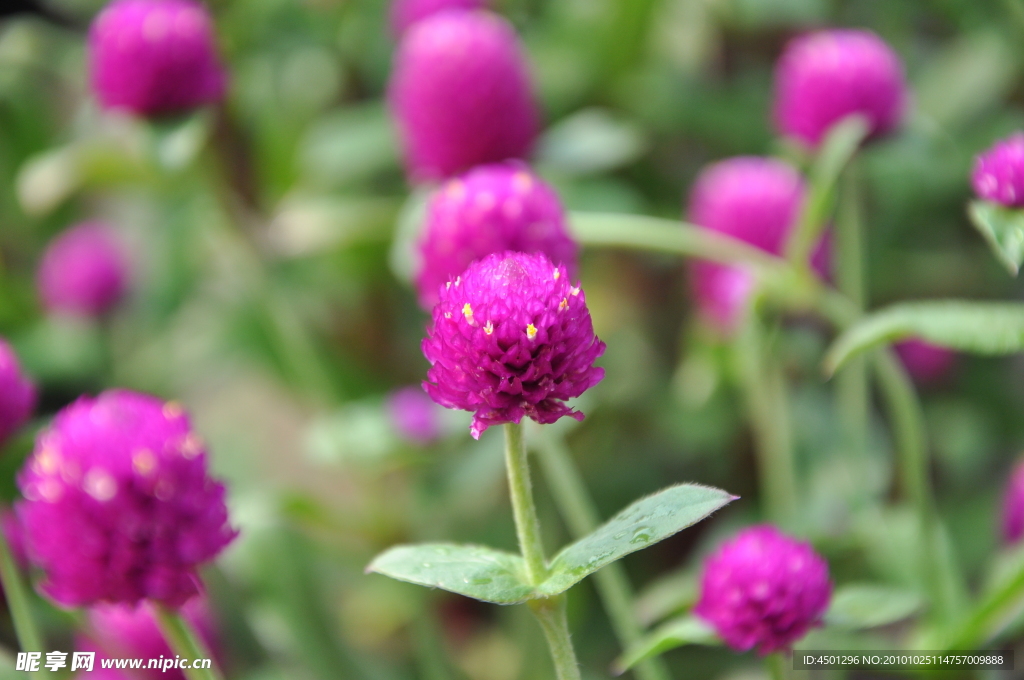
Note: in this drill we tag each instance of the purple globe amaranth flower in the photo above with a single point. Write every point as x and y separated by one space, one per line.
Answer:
490 209
405 13
414 415
825 76
155 57
753 199
1013 505
83 271
763 589
17 393
127 631
118 504
999 172
461 94
511 337
926 363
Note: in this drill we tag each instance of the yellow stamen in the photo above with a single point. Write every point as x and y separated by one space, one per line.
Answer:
531 331
489 328
467 311
557 275
563 304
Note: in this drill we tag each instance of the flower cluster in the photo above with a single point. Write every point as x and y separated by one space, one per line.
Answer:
763 589
511 337
999 172
83 271
490 209
118 504
17 393
826 76
461 94
155 57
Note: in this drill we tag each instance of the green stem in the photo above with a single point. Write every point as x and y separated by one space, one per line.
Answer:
765 393
523 510
579 513
907 422
995 611
777 667
551 614
852 383
183 641
18 603
550 611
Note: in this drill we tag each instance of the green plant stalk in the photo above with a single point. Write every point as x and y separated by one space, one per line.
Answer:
182 640
577 509
995 610
18 603
765 394
776 663
907 422
852 384
550 612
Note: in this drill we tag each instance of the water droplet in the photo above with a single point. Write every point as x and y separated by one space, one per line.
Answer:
641 535
426 565
619 536
481 581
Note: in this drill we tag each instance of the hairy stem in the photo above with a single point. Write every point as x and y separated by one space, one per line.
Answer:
183 641
551 614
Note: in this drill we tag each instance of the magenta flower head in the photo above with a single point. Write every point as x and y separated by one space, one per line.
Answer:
511 337
926 363
118 504
999 172
83 271
1013 505
753 199
461 94
155 57
405 13
414 415
126 631
490 209
825 76
763 589
17 393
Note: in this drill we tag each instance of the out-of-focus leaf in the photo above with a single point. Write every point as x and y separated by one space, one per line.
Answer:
1001 603
761 14
638 526
589 142
177 142
686 630
666 596
61 349
352 144
860 606
836 151
972 74
980 327
359 432
403 258
471 570
1003 229
304 225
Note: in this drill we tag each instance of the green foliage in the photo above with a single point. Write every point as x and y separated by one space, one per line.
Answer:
1003 229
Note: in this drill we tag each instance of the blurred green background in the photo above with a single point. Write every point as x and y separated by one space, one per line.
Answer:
270 296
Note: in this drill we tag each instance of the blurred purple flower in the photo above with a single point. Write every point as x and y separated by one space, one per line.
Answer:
130 631
17 393
999 172
825 76
490 209
763 589
753 199
405 13
461 94
118 504
414 415
155 57
925 362
83 271
1013 505
511 337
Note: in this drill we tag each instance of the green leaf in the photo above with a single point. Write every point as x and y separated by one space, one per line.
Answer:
1003 228
642 232
861 606
471 570
980 327
176 142
836 151
643 523
590 142
686 630
668 595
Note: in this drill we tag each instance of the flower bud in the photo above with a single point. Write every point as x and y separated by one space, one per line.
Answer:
414 416
926 363
83 271
999 172
17 394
